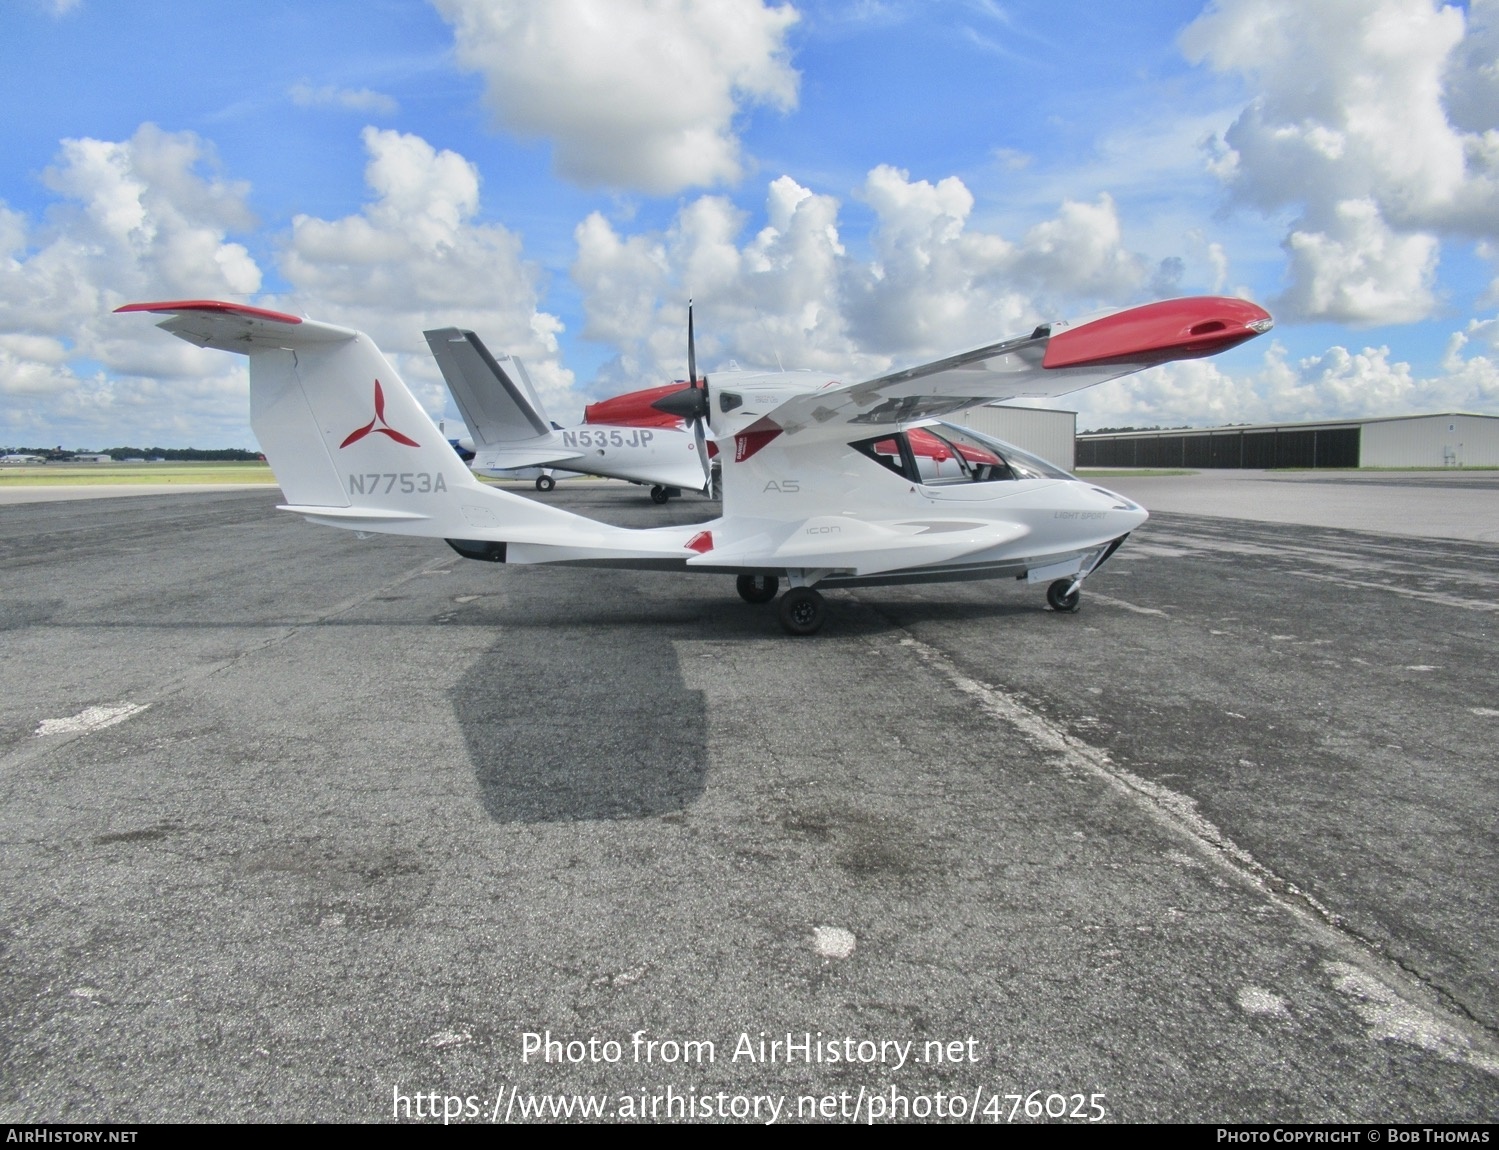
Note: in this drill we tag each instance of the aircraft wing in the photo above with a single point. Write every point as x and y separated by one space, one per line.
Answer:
498 408
1053 360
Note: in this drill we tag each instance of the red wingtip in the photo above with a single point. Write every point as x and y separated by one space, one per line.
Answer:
1157 332
212 305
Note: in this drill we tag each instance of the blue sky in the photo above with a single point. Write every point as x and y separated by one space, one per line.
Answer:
866 183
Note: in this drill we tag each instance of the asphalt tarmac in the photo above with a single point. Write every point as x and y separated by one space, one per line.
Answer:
302 826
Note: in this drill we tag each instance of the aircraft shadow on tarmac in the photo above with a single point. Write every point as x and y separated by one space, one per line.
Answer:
866 611
584 714
585 724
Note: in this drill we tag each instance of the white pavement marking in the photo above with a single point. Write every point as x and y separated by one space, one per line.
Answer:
445 1039
833 941
90 719
39 749
1408 592
1109 601
1389 1016
1487 712
1390 1012
1256 1000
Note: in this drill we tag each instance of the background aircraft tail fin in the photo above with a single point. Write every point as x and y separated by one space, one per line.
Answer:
498 407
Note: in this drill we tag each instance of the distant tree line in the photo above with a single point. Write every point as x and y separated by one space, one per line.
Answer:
186 454
1121 430
175 454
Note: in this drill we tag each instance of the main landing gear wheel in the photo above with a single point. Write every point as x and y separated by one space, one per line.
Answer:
1057 596
802 611
757 588
545 483
659 494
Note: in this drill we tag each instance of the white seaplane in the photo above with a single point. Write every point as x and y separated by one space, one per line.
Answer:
821 485
511 435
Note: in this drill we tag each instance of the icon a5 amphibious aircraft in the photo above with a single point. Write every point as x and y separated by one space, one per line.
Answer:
821 487
511 431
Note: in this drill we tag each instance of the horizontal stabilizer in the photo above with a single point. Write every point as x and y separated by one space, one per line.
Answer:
239 327
547 453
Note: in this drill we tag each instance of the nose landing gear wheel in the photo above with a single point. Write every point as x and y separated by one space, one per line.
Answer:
757 588
802 611
659 494
1057 596
545 483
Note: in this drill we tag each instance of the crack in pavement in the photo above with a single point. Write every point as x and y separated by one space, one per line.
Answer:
1396 1001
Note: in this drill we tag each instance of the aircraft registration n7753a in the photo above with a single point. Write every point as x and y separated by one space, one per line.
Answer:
823 485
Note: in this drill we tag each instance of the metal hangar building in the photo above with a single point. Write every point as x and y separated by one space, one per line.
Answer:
1450 440
1046 432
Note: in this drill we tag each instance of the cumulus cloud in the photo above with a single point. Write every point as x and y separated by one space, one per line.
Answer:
926 281
145 218
1359 270
304 95
416 257
1375 119
150 218
793 292
775 295
632 94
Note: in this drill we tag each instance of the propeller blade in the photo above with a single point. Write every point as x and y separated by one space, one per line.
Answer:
700 436
691 349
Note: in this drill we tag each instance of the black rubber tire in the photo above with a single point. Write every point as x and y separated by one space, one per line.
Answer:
659 494
757 588
545 483
802 611
1057 597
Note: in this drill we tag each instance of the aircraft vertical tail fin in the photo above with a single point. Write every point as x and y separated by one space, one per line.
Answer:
348 442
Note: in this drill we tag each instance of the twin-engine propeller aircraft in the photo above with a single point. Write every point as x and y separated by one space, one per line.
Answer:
832 486
511 433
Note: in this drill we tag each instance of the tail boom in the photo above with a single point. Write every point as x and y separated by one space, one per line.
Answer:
352 448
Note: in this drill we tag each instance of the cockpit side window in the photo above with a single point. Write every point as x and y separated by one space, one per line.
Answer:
890 452
941 453
1019 464
946 455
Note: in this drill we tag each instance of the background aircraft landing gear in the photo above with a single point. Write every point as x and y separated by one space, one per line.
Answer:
659 494
545 483
757 588
802 611
1057 596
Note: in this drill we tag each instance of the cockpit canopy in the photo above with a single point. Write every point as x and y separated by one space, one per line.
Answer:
942 453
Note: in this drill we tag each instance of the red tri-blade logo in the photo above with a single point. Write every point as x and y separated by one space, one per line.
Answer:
383 429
